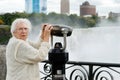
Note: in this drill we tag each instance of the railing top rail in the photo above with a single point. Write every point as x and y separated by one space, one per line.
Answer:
91 63
94 63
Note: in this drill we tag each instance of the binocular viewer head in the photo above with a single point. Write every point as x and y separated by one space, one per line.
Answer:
60 30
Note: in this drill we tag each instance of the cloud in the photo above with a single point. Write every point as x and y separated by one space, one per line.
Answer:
11 6
53 6
117 1
2 0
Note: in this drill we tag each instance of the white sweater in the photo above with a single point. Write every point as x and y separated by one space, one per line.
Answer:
22 59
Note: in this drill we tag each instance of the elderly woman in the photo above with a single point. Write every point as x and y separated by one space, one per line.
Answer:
22 55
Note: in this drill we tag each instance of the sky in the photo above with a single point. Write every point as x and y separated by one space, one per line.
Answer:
103 7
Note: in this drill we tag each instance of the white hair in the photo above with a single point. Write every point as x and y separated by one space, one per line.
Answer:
20 20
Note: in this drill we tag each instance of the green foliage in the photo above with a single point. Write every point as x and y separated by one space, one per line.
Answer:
89 21
7 18
4 34
1 22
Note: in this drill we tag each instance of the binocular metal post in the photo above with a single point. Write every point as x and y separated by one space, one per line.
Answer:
58 57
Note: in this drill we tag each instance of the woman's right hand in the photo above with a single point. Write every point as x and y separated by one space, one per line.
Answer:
46 31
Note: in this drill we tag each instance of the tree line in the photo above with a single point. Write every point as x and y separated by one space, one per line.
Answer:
53 18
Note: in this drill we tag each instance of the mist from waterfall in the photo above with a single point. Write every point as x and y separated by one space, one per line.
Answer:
98 44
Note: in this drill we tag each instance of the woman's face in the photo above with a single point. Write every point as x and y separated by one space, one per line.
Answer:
21 31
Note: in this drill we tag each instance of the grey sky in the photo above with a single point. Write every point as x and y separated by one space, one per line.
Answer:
103 7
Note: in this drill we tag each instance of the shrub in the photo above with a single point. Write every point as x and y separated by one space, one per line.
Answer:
4 34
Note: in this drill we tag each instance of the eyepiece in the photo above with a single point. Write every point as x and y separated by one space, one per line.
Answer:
60 30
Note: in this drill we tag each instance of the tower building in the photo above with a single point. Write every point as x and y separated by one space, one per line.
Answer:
64 6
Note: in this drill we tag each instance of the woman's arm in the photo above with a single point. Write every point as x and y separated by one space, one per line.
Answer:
28 54
35 44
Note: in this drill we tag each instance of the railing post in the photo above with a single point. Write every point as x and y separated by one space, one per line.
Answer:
90 72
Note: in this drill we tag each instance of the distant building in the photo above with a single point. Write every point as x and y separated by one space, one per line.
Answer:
112 14
65 7
36 6
43 6
87 10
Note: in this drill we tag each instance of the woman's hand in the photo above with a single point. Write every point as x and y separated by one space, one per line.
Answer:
46 31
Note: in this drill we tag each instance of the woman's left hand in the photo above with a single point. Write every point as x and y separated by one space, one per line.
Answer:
46 31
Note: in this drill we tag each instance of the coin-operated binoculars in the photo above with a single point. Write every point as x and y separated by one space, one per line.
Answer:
58 56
